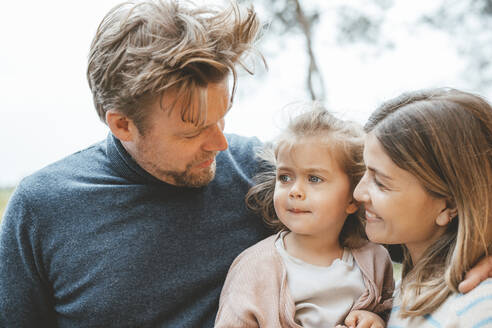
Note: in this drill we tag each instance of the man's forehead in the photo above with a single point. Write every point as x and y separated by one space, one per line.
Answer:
206 107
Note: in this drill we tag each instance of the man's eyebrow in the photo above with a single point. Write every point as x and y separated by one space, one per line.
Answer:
195 129
198 129
379 173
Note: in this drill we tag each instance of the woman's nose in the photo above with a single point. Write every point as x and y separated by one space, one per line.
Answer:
360 191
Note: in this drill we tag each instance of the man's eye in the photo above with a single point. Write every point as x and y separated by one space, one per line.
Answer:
283 178
192 136
315 179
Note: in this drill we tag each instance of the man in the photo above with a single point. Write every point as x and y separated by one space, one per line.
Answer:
140 229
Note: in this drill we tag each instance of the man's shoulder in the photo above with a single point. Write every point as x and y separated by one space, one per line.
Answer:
57 175
239 160
240 146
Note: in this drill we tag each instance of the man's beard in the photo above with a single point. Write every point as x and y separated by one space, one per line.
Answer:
188 179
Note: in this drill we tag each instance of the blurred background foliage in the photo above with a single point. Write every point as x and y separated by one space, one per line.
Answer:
467 22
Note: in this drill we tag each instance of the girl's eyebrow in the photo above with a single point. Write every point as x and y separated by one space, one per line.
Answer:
316 169
305 169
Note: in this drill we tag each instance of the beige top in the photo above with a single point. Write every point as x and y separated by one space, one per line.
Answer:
323 295
256 294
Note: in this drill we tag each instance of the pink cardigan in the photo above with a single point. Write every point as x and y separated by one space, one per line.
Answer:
255 293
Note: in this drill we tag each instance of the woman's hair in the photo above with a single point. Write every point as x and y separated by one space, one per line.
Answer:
143 48
444 138
346 142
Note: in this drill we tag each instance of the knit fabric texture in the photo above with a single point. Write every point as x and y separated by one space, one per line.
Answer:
93 240
471 310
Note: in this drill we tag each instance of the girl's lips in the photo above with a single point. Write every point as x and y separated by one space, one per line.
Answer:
298 211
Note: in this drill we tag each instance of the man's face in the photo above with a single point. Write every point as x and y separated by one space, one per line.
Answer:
178 152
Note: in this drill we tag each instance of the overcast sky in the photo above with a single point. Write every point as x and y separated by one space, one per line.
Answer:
46 107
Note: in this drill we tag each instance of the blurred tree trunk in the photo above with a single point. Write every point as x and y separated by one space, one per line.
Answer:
315 84
289 16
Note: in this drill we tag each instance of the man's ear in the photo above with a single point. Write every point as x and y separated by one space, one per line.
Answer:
120 125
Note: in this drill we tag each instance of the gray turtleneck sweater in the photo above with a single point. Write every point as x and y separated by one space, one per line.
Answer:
95 241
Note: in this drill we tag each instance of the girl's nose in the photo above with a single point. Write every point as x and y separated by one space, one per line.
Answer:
296 193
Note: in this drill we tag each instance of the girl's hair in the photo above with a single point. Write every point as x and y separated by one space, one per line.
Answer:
444 138
346 141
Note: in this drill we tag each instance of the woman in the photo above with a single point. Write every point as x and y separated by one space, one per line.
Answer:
428 186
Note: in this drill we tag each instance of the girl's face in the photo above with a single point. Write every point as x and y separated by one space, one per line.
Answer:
312 193
398 208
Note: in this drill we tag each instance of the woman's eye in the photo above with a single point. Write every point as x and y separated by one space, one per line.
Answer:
315 179
379 184
283 178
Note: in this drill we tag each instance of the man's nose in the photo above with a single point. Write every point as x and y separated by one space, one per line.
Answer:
216 140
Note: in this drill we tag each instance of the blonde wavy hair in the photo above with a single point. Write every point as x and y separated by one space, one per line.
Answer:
346 140
444 138
143 48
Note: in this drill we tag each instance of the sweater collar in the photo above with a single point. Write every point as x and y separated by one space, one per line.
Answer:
126 166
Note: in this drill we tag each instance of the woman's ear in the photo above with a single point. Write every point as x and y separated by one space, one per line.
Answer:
447 214
120 125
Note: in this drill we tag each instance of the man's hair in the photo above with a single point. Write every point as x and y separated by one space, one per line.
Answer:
344 139
444 138
144 48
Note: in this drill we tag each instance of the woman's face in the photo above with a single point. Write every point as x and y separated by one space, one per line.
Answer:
398 208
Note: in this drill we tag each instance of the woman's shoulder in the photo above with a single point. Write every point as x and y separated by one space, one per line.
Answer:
473 309
476 300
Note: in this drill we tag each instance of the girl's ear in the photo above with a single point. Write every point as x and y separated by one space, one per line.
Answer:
352 207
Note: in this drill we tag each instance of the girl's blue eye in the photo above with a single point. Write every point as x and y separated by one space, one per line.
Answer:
283 178
315 179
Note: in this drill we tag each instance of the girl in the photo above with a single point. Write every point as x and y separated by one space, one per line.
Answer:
428 185
319 267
